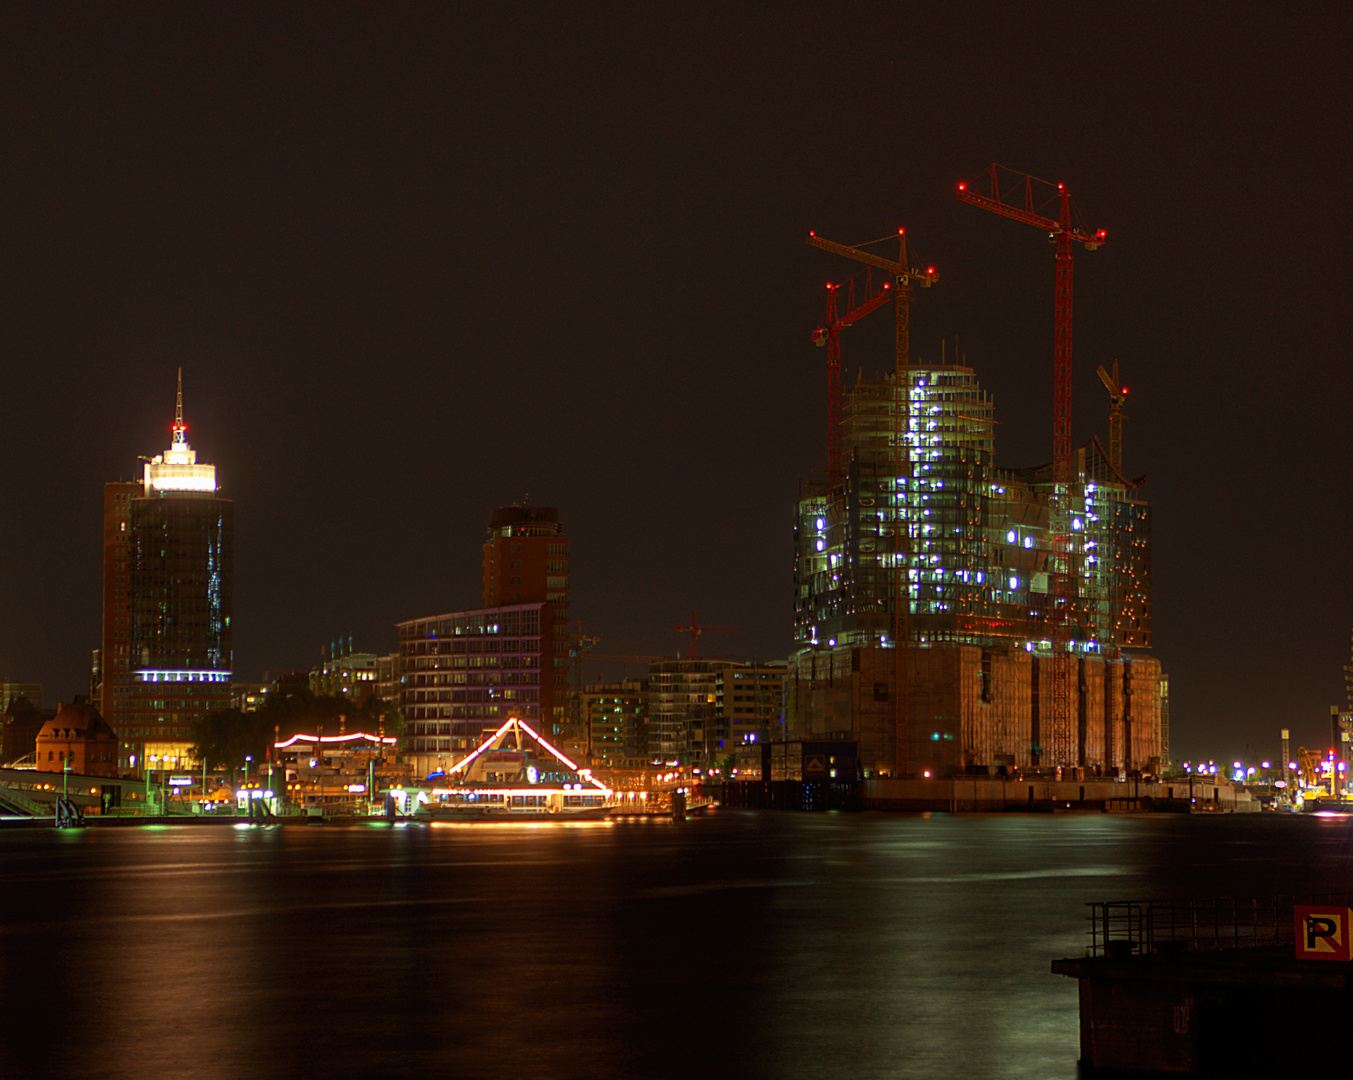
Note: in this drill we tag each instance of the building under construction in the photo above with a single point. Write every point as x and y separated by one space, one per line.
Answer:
976 566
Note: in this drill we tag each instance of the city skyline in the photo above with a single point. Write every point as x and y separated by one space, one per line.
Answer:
423 290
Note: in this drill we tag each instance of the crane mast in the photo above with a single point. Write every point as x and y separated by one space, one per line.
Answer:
1117 392
901 547
829 334
1063 232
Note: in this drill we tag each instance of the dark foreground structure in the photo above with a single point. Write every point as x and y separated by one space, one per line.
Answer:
1213 989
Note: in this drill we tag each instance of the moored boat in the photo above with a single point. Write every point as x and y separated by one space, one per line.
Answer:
516 775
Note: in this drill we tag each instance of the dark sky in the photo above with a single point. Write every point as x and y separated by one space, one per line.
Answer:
418 261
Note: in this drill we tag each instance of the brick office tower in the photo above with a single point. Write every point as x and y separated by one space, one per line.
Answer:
526 562
168 569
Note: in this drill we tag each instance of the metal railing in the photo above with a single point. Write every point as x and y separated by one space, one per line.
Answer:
1125 927
22 802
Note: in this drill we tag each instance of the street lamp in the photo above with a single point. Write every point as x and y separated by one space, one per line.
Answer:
149 767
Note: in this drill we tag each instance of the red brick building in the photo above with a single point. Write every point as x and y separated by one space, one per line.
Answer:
78 737
526 562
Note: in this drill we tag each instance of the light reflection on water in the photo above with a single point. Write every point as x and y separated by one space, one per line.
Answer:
757 945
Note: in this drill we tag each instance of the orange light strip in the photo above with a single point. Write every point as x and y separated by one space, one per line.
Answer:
586 774
544 791
389 740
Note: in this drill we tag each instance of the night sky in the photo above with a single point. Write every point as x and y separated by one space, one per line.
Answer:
421 261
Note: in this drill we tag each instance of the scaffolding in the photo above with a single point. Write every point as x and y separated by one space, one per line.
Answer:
980 564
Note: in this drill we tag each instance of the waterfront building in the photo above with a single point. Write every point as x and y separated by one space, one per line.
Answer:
21 726
751 705
387 678
168 563
246 697
77 739
351 675
465 672
616 719
526 562
700 711
971 546
336 772
10 692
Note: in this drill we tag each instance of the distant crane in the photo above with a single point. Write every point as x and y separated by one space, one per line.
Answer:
829 334
695 630
579 645
900 553
1117 392
1064 234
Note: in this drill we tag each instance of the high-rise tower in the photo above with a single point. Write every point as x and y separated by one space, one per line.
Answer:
168 568
526 562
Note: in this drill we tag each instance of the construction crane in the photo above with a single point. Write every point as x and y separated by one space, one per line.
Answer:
1061 230
1117 392
904 274
695 630
579 645
829 334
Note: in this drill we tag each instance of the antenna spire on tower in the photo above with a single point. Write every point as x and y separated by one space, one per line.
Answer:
180 428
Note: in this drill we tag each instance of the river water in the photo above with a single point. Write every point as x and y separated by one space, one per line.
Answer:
749 944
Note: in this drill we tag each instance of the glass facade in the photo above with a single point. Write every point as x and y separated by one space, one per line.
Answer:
979 537
463 673
922 513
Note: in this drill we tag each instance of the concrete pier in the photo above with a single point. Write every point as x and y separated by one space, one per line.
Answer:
979 794
1219 1013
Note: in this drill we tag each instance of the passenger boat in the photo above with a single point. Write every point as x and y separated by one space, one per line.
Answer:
515 775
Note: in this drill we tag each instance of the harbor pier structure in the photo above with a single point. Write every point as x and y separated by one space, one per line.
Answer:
973 543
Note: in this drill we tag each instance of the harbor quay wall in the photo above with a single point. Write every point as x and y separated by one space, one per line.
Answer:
1238 1012
980 793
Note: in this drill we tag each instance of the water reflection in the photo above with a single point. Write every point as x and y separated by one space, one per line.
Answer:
776 945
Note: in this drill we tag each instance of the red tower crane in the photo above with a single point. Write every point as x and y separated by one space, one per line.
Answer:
829 334
1061 230
900 528
695 630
